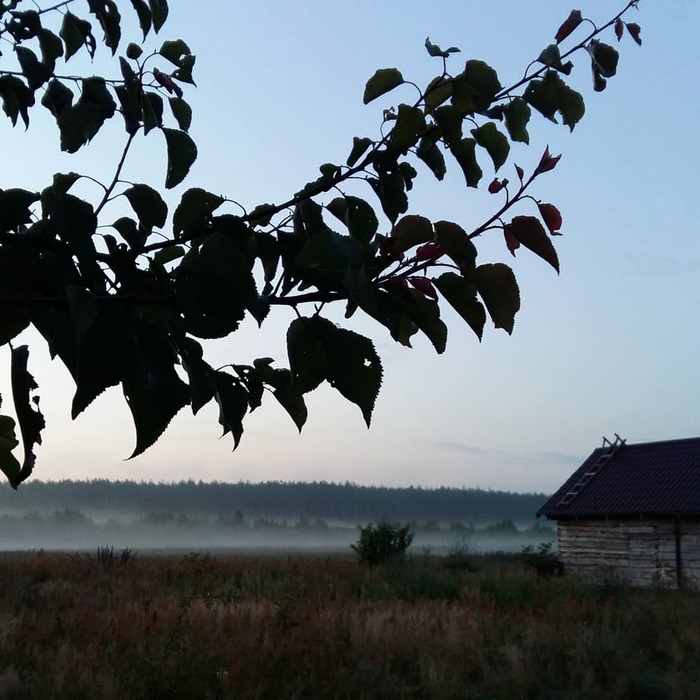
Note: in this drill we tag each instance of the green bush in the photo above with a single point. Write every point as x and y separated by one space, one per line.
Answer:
382 542
542 560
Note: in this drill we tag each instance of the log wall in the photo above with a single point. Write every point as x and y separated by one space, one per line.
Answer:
640 552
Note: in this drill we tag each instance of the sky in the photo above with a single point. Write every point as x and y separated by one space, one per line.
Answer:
608 346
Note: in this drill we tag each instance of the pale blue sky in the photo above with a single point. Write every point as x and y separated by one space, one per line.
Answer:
609 346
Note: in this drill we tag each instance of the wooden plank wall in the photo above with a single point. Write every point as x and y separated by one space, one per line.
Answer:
636 552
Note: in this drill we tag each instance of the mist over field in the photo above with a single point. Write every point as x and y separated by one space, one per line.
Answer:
271 517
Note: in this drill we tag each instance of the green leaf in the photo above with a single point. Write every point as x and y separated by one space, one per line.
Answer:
51 48
131 233
153 390
439 90
431 155
475 88
149 206
17 98
159 13
199 373
293 403
357 215
383 81
551 57
130 102
57 98
34 71
495 143
15 208
325 259
9 464
449 119
390 189
604 57
81 122
529 231
460 294
551 95
182 153
455 241
144 15
109 18
410 231
307 356
194 211
425 313
214 286
232 398
517 115
498 288
76 33
30 419
464 153
181 111
175 51
409 126
359 147
166 255
152 111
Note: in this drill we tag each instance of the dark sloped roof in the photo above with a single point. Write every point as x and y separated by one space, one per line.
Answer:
651 478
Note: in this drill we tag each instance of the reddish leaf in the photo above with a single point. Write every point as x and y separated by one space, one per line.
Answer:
619 29
529 231
520 171
425 286
397 286
497 185
569 25
635 30
429 251
547 162
164 80
552 218
512 242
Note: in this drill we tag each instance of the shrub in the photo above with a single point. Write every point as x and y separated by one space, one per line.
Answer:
382 542
543 560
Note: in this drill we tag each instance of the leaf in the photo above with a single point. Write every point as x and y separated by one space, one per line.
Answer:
181 111
153 390
475 88
51 48
152 111
529 231
81 122
76 33
460 294
159 13
449 119
359 147
352 365
194 211
464 153
409 126
410 231
109 18
166 255
551 95
498 288
57 97
455 241
390 189
34 71
182 153
517 115
495 143
15 208
293 403
232 399
17 98
619 28
9 465
431 155
11 325
604 56
551 217
199 373
424 286
307 356
357 215
30 419
325 259
175 51
214 286
439 90
551 57
130 102
384 80
425 313
635 32
149 206
144 15
435 51
568 25
131 233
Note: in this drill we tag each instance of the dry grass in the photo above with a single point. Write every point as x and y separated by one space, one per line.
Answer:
199 627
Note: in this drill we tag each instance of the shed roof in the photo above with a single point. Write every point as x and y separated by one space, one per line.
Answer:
650 478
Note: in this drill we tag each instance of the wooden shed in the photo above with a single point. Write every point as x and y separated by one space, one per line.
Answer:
631 513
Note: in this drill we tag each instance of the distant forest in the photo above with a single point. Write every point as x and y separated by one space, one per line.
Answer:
346 502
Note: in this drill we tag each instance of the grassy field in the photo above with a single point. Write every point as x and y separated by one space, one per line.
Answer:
79 626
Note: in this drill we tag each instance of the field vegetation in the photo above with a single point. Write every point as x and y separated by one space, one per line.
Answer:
115 624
